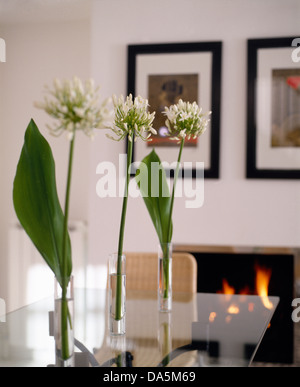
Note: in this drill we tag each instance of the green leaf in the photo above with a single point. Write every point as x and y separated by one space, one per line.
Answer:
36 201
152 182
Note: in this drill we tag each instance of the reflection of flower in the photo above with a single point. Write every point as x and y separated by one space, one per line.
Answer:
294 82
132 119
75 106
186 120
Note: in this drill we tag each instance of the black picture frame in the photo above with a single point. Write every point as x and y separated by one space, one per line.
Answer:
257 49
215 49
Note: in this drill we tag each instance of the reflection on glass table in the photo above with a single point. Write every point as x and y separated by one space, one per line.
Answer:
202 330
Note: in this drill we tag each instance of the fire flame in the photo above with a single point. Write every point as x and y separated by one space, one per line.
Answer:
227 289
262 281
263 276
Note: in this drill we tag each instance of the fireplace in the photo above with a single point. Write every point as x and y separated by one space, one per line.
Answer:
254 273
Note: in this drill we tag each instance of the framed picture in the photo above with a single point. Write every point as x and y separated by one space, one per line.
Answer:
165 73
273 114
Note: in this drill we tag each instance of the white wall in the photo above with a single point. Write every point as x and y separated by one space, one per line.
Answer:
236 211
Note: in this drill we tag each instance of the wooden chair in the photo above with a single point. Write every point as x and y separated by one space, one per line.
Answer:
142 272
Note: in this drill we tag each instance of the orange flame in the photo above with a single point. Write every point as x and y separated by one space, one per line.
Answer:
227 289
263 276
262 281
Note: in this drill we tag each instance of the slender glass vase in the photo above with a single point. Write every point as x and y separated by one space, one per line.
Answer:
165 277
117 294
64 322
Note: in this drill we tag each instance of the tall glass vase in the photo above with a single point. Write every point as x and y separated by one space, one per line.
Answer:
165 277
117 294
64 322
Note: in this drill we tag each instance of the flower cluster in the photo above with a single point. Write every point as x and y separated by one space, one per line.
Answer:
186 120
131 119
75 106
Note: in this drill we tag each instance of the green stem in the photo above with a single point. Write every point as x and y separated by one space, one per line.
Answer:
166 248
166 261
64 265
64 268
173 191
118 315
65 354
119 360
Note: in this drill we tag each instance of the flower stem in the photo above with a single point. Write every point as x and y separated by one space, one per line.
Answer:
64 265
118 314
166 247
65 354
166 262
174 188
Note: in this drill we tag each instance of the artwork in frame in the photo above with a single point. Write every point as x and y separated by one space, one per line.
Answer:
273 112
165 73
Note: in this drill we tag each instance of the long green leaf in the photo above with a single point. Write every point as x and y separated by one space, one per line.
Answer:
36 201
152 182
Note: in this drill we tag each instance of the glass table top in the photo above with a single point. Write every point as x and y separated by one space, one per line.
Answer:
202 330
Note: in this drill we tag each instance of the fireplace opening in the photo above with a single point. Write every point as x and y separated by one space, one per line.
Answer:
255 274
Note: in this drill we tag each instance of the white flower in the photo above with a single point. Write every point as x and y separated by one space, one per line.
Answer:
182 133
186 120
75 106
131 119
79 112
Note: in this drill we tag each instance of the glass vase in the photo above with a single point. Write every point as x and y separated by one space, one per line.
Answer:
64 322
165 277
117 294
